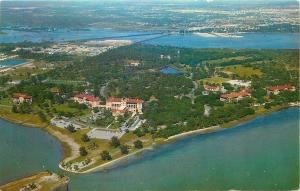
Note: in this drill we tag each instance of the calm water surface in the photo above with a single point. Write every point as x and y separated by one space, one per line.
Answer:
24 151
248 40
11 62
261 154
169 70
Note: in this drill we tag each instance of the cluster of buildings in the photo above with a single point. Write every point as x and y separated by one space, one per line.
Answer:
245 92
258 19
87 99
235 96
277 89
118 106
212 88
89 48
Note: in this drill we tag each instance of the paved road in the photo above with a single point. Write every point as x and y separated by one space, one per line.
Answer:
192 93
102 90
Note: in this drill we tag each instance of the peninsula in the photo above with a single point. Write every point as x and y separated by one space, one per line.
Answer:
108 107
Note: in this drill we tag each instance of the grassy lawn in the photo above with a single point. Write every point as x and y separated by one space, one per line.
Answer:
127 139
24 72
67 82
26 119
243 71
5 101
220 61
215 80
95 146
67 109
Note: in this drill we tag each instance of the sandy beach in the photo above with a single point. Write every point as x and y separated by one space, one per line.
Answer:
123 159
198 131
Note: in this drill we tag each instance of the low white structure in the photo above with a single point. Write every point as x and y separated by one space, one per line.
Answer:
135 63
64 123
104 134
240 83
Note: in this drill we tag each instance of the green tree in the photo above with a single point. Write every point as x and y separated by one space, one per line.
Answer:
105 155
138 144
14 109
85 138
95 109
71 128
124 149
115 142
42 116
83 151
25 108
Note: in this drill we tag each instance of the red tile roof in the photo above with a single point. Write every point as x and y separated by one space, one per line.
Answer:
232 95
114 99
212 88
127 100
19 95
280 88
134 100
87 97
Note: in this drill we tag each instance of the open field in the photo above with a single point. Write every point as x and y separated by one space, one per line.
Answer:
67 82
214 80
220 61
31 120
243 71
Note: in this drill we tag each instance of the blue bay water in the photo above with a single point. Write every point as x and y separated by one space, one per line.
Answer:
11 62
169 70
248 40
25 151
15 36
261 154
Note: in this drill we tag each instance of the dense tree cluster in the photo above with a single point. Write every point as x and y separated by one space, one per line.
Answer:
168 108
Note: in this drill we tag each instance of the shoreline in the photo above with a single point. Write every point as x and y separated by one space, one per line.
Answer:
115 162
109 164
203 131
65 146
45 180
24 64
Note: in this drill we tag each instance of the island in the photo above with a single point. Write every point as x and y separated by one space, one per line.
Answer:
107 106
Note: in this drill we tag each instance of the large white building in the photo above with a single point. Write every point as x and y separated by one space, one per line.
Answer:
119 106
